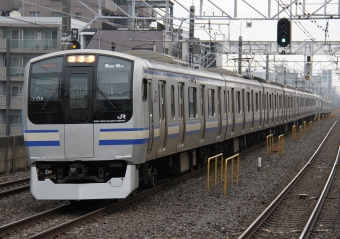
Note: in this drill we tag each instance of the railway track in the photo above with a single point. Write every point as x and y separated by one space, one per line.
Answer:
62 213
294 211
37 220
39 225
14 187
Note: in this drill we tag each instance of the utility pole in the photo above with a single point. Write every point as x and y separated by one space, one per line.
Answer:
66 21
240 55
8 88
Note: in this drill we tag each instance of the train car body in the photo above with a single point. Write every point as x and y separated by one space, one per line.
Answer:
105 122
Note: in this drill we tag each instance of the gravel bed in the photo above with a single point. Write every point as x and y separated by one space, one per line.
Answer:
187 210
14 176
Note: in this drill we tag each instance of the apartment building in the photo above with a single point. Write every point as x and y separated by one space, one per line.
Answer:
24 38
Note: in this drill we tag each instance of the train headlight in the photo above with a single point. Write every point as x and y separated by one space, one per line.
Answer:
71 58
90 58
81 58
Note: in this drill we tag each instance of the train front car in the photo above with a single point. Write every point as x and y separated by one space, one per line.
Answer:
81 123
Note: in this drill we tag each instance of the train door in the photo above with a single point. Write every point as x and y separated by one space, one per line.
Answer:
181 114
202 109
162 117
78 111
151 123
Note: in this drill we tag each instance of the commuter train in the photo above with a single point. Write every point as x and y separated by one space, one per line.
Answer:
106 123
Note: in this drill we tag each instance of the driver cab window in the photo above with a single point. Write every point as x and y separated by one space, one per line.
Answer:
114 78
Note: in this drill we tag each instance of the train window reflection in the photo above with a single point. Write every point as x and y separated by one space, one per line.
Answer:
114 78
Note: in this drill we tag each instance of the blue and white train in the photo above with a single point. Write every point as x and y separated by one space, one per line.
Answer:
106 122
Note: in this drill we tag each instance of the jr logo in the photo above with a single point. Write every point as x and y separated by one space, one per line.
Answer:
122 116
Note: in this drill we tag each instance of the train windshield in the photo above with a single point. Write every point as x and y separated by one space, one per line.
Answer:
45 80
80 92
114 79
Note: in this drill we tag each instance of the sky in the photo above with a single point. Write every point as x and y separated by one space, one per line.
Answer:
264 30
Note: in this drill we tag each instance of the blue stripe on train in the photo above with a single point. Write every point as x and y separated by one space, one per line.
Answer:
42 143
41 131
122 141
123 129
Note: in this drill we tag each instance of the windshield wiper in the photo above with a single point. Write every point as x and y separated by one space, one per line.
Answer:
50 99
105 97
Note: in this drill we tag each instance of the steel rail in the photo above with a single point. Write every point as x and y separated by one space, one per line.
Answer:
15 183
316 212
15 190
102 211
30 220
72 223
275 203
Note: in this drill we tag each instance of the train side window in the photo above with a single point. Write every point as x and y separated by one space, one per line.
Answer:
248 102
228 102
252 101
243 109
202 101
180 101
232 101
225 102
192 102
211 102
238 102
257 102
172 101
145 90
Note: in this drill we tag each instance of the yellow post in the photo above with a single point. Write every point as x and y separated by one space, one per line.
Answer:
293 132
215 171
270 143
319 120
301 132
311 126
304 126
231 171
281 144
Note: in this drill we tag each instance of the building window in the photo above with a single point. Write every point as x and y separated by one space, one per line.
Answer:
56 14
78 15
15 119
16 90
34 14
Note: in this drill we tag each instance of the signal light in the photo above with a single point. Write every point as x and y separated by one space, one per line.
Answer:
283 32
75 45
